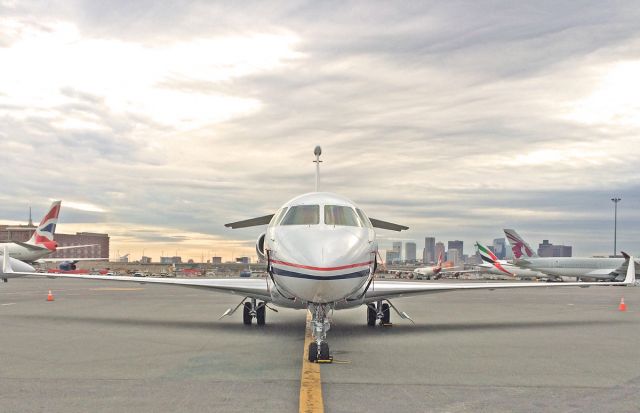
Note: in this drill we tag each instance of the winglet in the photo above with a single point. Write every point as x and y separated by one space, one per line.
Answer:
6 261
630 279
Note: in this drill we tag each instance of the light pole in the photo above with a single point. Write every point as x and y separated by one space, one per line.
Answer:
615 223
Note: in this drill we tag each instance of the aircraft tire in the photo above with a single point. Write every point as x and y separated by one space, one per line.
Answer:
261 313
386 314
313 352
371 317
324 351
246 314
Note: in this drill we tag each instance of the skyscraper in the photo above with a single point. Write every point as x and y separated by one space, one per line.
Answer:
456 245
429 252
410 251
500 248
454 256
439 251
391 257
397 248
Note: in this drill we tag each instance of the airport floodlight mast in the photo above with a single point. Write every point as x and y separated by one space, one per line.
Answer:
615 224
317 152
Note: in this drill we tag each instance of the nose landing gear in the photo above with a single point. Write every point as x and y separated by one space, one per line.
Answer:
320 325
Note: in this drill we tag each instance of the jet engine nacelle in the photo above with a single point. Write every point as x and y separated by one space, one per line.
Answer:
260 247
68 266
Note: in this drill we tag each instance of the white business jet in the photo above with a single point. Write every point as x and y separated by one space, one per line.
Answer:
321 252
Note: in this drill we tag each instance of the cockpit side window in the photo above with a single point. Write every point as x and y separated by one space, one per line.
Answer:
363 218
302 215
278 216
340 215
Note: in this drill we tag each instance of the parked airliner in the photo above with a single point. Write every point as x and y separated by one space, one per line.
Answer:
492 265
320 250
41 243
579 267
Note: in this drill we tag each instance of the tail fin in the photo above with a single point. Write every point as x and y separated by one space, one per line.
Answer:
439 264
519 246
486 254
490 258
44 232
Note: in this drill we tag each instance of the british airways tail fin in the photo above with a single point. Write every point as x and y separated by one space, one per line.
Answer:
519 246
44 232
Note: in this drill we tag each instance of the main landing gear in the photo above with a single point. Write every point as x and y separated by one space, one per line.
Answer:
319 348
252 309
378 311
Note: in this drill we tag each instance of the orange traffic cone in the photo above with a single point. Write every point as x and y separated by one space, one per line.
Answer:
49 296
622 306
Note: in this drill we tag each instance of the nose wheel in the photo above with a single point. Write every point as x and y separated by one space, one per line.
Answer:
319 348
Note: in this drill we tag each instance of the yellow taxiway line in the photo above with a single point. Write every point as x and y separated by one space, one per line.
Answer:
310 383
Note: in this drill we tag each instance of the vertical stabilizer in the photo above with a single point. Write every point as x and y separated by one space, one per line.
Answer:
44 232
490 258
519 246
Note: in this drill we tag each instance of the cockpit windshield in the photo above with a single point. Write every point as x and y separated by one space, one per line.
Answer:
302 215
341 215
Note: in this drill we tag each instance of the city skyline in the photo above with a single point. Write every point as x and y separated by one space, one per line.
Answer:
157 127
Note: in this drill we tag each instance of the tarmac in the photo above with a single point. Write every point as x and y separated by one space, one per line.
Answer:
111 347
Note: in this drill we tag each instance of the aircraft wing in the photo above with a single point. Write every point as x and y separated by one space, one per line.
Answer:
253 222
622 269
387 289
68 247
247 287
377 223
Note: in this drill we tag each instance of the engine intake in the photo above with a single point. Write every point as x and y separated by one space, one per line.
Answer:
260 247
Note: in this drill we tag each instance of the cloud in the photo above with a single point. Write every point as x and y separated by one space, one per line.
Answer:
455 118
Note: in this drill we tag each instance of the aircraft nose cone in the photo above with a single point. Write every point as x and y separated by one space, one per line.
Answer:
325 248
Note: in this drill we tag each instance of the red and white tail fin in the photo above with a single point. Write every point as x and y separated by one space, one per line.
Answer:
43 235
519 246
439 264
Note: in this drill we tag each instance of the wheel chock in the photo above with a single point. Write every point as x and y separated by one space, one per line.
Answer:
328 361
387 324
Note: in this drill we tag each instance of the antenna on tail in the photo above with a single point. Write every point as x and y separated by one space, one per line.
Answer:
317 152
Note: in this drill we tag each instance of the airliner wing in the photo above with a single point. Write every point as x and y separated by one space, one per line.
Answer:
69 247
387 225
70 259
253 222
387 289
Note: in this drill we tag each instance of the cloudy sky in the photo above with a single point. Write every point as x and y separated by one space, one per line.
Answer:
158 122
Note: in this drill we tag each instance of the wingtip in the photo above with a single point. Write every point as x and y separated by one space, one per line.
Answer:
6 261
630 278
